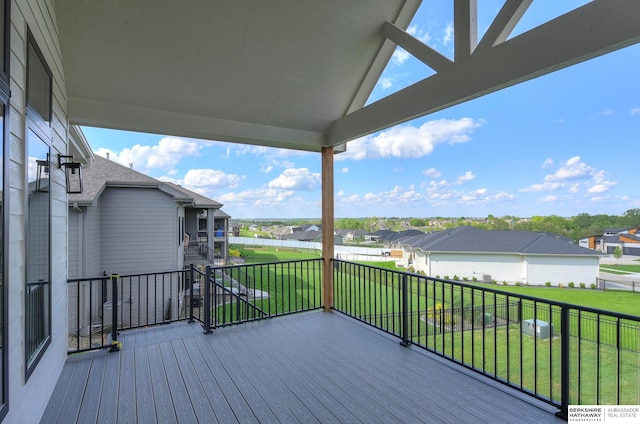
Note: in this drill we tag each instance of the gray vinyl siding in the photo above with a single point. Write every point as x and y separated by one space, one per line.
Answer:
74 244
91 242
138 231
27 399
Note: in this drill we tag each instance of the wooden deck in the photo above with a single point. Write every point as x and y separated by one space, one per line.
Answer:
314 367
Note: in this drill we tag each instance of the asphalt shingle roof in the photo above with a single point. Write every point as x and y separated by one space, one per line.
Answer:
471 239
104 172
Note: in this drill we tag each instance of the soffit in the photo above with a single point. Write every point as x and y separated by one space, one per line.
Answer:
269 72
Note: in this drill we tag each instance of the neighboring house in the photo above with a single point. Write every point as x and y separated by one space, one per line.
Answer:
125 222
626 238
206 226
504 256
311 235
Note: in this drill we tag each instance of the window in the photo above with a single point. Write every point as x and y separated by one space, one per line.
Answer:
37 208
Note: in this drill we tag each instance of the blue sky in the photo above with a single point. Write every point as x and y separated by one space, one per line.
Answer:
562 144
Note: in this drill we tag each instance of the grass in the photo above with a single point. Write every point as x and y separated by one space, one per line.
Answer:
622 269
604 361
264 254
615 301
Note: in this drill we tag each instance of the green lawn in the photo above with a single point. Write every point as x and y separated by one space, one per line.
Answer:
622 269
615 301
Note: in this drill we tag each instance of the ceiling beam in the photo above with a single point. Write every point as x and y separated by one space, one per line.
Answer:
140 119
504 23
417 48
592 30
465 28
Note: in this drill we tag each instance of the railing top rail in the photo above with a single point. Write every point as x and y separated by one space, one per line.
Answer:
144 274
505 293
266 263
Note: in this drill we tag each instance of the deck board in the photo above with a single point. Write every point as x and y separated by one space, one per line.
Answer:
309 368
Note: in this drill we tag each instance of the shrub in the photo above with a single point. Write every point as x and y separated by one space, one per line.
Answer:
582 285
455 277
560 285
518 283
571 284
446 277
593 285
548 284
495 282
475 279
438 276
465 279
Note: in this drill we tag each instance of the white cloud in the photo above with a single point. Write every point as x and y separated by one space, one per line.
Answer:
210 178
607 112
549 199
572 169
448 34
573 175
164 156
344 170
265 169
432 172
468 176
386 83
547 163
541 188
635 111
407 141
400 56
297 179
256 197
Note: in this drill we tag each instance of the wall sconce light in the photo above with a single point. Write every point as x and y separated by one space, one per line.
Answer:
42 174
72 173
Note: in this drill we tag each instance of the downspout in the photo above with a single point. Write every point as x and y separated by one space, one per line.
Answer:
327 228
81 239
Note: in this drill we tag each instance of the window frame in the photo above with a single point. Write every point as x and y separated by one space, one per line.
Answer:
41 128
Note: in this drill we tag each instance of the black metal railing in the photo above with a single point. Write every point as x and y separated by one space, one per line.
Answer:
559 353
242 293
140 300
214 296
202 252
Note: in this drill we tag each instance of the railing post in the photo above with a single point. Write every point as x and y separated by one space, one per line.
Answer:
564 363
115 345
207 300
405 312
191 283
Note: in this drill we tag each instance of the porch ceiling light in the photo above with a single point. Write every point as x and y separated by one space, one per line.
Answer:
72 172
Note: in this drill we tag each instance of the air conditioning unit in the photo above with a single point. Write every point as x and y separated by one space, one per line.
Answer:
124 313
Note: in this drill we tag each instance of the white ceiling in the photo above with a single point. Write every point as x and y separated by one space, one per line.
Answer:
270 72
297 73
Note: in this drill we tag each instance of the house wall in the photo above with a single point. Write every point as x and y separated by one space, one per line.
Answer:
562 269
28 398
501 267
138 231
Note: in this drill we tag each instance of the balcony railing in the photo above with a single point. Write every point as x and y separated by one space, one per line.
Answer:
559 353
213 296
241 293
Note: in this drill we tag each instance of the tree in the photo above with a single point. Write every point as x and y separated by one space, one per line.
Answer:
617 253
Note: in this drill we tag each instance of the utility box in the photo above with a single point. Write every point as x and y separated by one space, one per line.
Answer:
486 278
540 329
